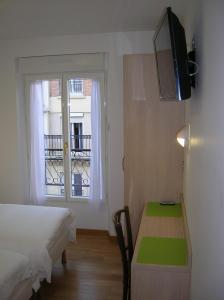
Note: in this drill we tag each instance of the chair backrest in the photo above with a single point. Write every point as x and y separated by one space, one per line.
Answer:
124 237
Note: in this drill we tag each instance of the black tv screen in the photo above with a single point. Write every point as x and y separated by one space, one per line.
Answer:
171 58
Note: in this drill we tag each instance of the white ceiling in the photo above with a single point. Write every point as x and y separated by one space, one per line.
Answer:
33 18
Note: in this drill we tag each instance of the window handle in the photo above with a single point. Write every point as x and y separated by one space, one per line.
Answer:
65 148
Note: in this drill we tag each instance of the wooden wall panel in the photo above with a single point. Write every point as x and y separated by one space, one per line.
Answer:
153 160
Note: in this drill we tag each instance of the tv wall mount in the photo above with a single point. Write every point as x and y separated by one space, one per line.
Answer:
192 65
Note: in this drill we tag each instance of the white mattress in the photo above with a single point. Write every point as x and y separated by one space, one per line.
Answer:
33 231
14 269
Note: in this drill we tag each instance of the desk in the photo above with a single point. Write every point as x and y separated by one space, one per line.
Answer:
161 275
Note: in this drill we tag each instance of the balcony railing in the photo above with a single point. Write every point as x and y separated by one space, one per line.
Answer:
80 164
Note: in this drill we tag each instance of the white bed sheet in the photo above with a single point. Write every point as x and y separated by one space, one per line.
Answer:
14 269
32 231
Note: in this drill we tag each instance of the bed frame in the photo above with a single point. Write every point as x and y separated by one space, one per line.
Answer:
23 291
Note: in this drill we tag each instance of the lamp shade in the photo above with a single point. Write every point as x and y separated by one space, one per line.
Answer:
183 136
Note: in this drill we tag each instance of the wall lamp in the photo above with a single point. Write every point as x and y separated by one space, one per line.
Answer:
183 136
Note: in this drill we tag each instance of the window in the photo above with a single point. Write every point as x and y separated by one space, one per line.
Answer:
76 87
76 135
59 161
77 190
55 135
67 158
62 87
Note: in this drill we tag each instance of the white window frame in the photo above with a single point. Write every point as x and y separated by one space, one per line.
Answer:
65 77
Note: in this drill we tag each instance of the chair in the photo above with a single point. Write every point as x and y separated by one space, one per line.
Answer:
124 238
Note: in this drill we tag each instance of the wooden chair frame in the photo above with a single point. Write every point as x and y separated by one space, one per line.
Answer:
126 248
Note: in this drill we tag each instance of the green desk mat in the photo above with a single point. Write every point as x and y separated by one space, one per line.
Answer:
154 209
162 251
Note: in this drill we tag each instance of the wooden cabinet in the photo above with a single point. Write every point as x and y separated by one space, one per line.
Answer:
153 159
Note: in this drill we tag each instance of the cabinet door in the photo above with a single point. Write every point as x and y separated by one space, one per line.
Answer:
153 163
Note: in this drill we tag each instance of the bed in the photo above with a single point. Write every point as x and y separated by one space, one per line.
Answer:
39 233
15 283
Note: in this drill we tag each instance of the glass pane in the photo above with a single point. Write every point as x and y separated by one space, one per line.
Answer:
79 91
53 139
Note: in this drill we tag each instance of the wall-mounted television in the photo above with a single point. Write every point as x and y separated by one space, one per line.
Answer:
172 58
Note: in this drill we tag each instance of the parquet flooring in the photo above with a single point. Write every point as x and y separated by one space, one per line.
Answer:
93 270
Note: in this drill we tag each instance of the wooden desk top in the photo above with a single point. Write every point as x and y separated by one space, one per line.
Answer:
160 226
161 265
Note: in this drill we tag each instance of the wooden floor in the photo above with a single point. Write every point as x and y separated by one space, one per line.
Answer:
93 270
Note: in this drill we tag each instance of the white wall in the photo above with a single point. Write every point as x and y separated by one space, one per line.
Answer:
13 176
204 164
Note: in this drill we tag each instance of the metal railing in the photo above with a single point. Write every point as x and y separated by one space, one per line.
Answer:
80 154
